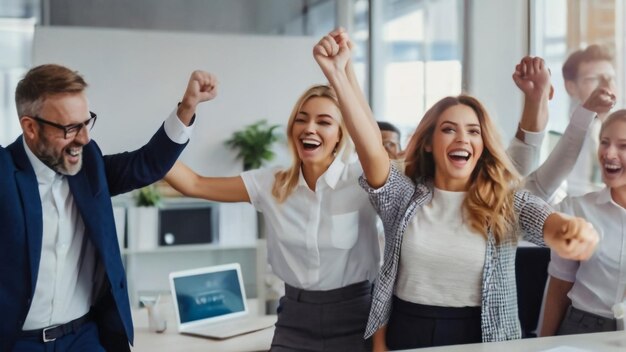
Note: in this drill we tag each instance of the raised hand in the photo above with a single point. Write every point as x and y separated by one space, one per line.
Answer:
332 52
570 237
202 86
532 77
601 100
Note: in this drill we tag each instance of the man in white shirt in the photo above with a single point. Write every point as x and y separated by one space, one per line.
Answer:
583 71
62 282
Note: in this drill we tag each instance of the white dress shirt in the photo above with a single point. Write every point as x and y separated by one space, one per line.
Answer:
599 282
525 154
547 181
322 239
442 258
67 268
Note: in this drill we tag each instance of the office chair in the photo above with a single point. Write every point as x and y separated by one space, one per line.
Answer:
531 274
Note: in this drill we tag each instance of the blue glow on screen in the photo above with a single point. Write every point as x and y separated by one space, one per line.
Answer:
208 295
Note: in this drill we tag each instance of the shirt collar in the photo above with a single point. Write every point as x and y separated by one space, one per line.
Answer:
331 176
604 196
44 174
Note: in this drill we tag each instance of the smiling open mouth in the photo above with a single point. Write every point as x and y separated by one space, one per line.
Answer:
74 151
612 168
310 144
459 155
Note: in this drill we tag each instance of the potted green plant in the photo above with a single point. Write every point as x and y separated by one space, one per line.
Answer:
148 196
143 219
254 143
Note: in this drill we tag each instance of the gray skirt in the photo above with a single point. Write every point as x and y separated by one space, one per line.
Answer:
332 320
578 321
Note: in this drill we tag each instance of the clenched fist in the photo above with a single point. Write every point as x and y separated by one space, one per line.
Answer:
570 237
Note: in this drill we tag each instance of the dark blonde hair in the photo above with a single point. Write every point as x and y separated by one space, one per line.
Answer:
489 201
286 180
615 116
43 81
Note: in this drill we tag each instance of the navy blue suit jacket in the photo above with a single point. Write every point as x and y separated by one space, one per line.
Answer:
101 177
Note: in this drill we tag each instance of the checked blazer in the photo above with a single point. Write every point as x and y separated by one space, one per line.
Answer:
397 202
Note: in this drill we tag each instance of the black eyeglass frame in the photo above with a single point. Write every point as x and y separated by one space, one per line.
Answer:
70 128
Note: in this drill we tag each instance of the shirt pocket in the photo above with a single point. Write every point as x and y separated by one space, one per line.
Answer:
345 229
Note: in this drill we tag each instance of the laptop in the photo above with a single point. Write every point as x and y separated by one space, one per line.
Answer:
211 302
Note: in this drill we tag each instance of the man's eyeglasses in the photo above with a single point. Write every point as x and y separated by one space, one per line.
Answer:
597 79
70 131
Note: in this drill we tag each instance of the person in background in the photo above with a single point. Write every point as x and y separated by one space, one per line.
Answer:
532 77
581 295
583 71
390 135
62 281
448 275
320 226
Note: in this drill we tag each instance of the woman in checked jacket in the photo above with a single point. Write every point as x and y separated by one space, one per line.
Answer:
450 220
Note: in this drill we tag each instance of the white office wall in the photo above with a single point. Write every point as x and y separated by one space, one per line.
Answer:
136 79
497 42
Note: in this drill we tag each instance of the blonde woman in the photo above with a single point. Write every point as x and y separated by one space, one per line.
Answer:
321 228
450 220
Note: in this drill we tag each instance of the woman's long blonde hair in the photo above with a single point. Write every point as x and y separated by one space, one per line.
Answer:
618 115
489 201
286 180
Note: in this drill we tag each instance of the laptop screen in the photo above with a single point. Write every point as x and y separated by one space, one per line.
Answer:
208 294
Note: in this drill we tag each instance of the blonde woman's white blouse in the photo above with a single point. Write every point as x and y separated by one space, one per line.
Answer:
322 239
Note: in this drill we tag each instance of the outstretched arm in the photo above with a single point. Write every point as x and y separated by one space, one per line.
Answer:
544 181
332 53
219 189
532 77
570 237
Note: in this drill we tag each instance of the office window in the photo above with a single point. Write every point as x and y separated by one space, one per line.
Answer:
360 36
16 38
416 57
559 27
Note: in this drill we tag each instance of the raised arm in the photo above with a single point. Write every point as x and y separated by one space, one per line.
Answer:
544 181
332 53
219 189
532 77
202 86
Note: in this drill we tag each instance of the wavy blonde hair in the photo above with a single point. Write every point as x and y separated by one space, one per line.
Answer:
618 115
286 180
489 201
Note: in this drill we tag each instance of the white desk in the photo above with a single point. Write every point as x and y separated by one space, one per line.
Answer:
598 342
171 340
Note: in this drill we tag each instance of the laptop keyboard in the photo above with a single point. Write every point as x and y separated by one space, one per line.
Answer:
234 327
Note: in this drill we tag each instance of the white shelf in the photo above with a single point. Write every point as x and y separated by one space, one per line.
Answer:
190 248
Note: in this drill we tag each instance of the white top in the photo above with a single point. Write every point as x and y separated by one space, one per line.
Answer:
546 180
442 256
585 174
525 154
322 239
599 282
67 268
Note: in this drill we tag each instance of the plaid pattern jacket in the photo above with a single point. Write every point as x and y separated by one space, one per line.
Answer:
397 201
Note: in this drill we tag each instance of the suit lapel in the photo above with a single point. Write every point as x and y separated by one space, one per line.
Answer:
87 206
31 203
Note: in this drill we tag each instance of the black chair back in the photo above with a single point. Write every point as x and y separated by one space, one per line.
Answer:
531 274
